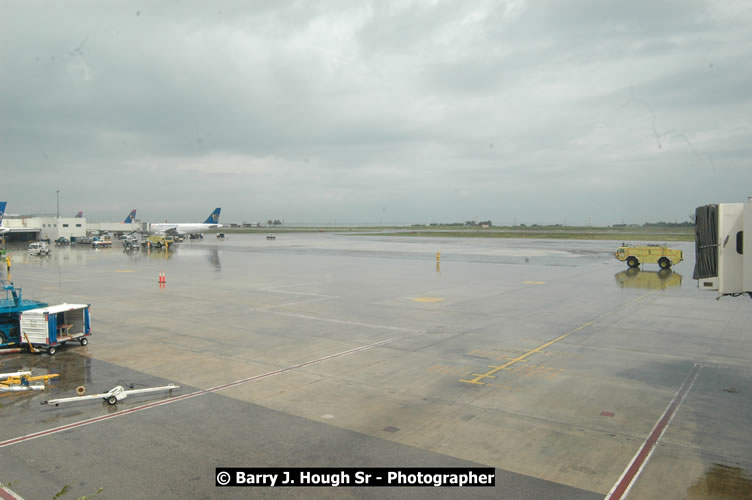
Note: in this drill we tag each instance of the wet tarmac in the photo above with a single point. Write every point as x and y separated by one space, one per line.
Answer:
546 360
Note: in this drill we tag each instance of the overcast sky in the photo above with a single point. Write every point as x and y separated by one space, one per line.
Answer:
367 112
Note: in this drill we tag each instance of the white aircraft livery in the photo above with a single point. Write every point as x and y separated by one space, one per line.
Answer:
211 222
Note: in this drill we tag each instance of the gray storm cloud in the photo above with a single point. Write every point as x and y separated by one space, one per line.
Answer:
398 112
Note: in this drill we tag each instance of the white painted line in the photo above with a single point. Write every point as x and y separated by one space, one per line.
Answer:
80 423
341 321
641 458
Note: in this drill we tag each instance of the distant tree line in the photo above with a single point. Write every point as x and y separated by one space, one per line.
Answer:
488 223
669 224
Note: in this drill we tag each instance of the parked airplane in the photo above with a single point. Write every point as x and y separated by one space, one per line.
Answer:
131 217
2 212
211 222
79 215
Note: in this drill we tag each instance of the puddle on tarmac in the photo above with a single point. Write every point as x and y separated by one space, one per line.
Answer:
650 280
74 370
722 481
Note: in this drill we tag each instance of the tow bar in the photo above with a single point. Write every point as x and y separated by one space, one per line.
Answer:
117 393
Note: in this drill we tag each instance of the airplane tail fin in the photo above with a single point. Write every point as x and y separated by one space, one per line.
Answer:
131 217
213 217
80 214
2 210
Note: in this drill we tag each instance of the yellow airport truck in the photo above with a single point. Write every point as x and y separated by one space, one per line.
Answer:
158 241
649 254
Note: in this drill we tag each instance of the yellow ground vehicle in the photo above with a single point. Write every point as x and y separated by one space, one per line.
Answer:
649 254
158 241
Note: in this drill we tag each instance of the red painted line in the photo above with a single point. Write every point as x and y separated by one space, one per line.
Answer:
201 392
630 474
8 494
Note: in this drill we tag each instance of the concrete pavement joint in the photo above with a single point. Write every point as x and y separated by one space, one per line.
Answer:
341 321
289 304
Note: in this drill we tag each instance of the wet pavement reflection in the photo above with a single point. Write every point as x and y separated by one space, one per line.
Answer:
650 280
722 481
242 306
73 367
76 369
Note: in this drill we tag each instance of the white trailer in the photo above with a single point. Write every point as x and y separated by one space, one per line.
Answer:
48 327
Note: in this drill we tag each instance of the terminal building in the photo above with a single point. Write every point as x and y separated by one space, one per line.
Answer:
50 228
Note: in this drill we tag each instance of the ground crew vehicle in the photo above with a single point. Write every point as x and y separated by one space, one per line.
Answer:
11 308
649 254
104 242
39 248
158 241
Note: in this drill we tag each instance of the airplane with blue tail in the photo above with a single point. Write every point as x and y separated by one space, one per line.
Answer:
131 217
211 222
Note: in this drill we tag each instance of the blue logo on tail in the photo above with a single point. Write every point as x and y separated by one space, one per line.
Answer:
2 209
131 217
213 217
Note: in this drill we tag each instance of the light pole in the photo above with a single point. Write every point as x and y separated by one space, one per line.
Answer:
58 203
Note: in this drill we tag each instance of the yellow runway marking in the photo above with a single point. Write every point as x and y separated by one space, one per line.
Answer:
494 369
533 282
428 299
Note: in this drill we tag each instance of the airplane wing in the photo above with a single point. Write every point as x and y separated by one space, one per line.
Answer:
170 230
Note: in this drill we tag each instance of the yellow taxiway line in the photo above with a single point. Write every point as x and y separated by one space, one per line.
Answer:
494 369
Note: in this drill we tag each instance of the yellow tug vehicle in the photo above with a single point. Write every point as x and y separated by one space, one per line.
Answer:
649 254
